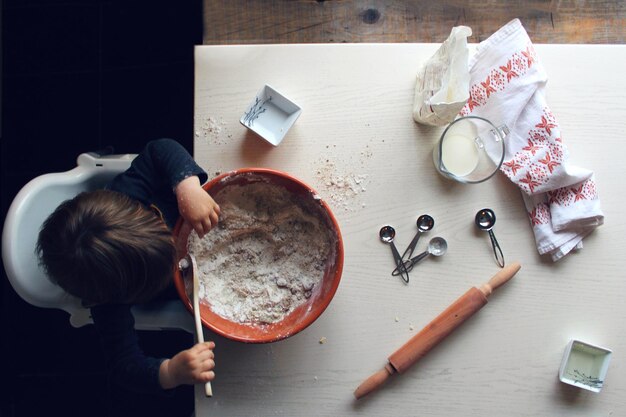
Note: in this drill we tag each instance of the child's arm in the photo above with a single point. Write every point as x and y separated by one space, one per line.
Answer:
130 368
196 205
191 366
154 176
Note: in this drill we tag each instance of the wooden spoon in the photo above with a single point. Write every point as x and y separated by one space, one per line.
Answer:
196 313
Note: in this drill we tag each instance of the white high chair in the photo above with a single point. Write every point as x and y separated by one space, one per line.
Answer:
30 208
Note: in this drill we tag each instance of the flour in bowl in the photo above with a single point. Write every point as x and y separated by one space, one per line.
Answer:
266 256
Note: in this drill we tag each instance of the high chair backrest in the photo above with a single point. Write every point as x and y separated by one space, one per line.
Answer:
30 208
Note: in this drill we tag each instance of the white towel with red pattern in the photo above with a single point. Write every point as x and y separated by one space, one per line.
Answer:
507 86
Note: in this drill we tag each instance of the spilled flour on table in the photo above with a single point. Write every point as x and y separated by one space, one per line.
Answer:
213 130
266 256
342 188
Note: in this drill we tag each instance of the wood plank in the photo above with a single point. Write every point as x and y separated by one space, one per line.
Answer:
283 21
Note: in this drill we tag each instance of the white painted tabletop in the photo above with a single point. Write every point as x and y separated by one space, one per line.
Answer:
356 124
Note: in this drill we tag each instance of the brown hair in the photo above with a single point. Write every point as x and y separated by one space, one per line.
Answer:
104 247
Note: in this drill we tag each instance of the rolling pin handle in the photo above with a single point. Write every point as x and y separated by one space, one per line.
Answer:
500 278
373 382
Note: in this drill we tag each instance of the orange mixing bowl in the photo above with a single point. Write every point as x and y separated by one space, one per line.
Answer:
302 316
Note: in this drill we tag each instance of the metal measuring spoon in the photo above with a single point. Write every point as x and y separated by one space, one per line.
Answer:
436 247
424 224
387 234
485 220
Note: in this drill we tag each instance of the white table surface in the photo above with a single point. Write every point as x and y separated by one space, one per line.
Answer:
356 124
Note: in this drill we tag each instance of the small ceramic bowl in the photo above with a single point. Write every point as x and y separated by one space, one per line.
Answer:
584 365
270 115
302 316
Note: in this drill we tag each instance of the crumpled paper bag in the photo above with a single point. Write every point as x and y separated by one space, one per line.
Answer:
442 86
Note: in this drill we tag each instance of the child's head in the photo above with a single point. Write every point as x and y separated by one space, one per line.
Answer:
104 247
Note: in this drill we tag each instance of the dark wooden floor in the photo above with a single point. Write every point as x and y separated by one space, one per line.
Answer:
289 21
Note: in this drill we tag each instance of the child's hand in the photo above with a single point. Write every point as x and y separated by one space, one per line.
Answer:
191 366
196 205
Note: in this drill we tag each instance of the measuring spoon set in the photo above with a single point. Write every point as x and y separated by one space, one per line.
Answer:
405 263
485 219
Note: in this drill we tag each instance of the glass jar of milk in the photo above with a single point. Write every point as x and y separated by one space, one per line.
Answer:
470 150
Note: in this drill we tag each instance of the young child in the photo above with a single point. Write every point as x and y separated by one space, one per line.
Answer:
113 248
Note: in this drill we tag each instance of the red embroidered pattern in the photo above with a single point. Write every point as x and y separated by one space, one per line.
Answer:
499 77
530 56
530 182
549 162
509 71
532 166
487 86
532 148
539 215
545 124
565 196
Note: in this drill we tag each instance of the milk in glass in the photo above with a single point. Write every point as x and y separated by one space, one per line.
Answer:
459 154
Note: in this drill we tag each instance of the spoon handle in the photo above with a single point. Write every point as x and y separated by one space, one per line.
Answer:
409 250
496 249
419 257
407 267
399 263
208 390
410 263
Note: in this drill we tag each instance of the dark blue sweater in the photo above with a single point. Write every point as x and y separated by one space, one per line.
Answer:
150 179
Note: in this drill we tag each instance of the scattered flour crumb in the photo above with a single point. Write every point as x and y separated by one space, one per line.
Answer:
322 340
342 189
397 319
213 130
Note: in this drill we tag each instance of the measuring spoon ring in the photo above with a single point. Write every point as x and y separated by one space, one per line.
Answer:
436 247
387 234
485 220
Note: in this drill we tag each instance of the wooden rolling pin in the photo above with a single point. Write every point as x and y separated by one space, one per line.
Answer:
420 344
